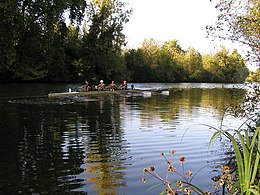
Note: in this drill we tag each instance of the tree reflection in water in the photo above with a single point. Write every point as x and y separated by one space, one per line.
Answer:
105 147
80 144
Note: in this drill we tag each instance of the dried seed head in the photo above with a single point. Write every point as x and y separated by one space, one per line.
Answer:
215 186
169 192
171 168
182 159
145 171
143 180
189 173
172 152
162 154
151 168
187 191
179 184
166 183
230 180
226 169
224 176
221 182
229 186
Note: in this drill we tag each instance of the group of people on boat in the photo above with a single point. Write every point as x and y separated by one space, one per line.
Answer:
101 86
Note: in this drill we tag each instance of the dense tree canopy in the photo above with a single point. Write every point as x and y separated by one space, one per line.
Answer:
103 40
170 63
37 43
32 38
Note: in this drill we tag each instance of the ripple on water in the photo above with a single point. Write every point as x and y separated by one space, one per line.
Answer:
70 145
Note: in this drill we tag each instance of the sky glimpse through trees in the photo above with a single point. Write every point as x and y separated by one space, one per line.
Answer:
37 45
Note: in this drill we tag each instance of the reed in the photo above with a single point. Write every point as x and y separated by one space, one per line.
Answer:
246 181
247 154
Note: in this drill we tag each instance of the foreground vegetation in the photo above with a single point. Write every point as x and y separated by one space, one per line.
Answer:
240 172
239 178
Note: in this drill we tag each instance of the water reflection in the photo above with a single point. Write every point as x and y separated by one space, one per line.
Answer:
105 146
100 144
169 107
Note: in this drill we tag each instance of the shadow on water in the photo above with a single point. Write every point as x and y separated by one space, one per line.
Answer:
100 144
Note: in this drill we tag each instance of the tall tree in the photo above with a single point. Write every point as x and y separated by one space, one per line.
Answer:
8 40
104 38
174 49
150 51
137 69
193 65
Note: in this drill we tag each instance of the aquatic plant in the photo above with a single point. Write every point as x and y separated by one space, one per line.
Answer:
247 153
180 186
244 178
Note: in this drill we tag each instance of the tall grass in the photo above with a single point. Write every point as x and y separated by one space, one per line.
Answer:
247 154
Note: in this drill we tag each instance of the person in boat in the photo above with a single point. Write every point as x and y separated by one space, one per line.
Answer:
86 87
112 86
101 86
124 85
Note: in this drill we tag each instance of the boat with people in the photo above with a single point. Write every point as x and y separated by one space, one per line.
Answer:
145 93
76 93
87 89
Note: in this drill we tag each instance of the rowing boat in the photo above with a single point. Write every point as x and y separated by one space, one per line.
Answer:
64 94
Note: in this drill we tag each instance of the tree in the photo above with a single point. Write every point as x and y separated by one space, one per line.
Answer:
176 52
238 21
225 67
136 66
192 63
166 66
103 39
238 70
8 34
150 52
32 38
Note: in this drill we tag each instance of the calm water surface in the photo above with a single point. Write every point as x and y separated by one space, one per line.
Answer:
100 144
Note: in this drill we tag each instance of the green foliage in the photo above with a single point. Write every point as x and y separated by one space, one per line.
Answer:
7 39
135 64
254 76
37 45
247 154
103 40
225 67
32 38
170 63
192 62
238 21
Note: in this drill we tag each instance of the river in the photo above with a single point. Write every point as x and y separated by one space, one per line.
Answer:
100 144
